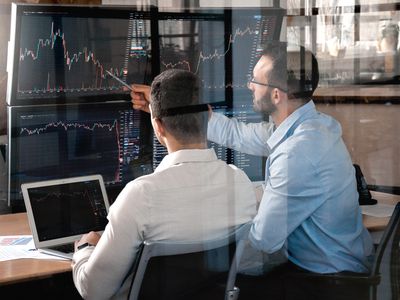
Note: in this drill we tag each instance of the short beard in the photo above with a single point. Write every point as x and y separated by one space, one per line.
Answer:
266 107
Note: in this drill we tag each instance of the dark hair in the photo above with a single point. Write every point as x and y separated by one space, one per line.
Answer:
293 71
175 88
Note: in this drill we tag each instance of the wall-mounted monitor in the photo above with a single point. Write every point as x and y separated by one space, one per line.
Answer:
61 54
68 117
220 45
58 141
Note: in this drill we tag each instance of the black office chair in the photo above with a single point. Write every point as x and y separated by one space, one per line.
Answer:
203 270
381 283
3 151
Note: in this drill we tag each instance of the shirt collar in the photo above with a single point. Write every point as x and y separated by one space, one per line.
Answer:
284 129
185 156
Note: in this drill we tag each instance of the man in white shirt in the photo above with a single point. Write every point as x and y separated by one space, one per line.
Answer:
191 195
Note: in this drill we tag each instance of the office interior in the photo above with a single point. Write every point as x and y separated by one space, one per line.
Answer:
356 43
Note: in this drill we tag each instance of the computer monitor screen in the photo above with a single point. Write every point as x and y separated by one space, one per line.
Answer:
196 42
63 53
222 47
65 117
219 45
59 141
67 209
251 29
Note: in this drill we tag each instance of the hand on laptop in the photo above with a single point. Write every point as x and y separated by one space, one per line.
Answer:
91 238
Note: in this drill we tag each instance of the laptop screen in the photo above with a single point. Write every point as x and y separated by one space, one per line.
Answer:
68 209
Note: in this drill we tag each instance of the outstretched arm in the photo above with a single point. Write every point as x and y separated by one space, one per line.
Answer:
249 138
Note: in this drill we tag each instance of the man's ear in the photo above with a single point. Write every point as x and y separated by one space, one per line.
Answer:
276 96
159 126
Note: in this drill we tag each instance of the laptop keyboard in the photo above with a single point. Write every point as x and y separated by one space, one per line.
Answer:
66 248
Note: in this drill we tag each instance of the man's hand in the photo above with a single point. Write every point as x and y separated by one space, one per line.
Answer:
92 238
140 95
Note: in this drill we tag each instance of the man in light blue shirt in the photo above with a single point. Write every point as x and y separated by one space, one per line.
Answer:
310 203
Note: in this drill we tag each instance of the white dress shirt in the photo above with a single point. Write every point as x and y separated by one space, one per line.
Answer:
191 196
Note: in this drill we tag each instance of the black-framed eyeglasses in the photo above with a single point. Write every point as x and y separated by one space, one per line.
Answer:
251 80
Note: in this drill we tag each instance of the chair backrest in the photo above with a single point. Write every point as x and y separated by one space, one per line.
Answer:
185 270
387 259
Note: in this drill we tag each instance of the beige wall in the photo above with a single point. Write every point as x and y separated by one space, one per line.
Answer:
372 135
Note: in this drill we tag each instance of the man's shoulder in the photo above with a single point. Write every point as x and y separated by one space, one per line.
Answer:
235 170
179 174
317 129
313 139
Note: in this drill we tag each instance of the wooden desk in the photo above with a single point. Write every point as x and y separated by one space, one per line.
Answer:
14 271
19 270
378 224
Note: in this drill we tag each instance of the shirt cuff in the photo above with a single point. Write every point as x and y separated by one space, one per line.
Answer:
82 254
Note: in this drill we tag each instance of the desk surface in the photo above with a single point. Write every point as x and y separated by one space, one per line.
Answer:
378 224
14 271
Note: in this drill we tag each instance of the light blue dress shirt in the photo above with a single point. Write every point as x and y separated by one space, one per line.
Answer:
310 203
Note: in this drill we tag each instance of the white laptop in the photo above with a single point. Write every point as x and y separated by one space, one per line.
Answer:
61 211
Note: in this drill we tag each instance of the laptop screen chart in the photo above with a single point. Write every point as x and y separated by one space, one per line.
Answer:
68 209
